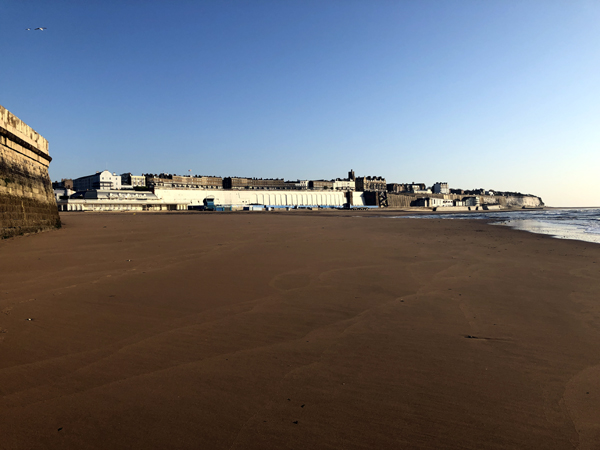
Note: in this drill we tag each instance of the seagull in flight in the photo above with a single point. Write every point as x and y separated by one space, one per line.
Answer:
41 28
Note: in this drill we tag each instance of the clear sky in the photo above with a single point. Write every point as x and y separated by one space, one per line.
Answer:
500 94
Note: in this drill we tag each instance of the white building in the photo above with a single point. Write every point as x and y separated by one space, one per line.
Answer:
128 179
441 188
344 185
117 200
432 202
471 201
440 202
63 193
100 180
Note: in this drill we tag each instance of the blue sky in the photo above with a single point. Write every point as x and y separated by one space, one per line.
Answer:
497 94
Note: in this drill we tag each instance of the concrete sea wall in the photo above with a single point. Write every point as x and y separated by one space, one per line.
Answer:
260 197
27 202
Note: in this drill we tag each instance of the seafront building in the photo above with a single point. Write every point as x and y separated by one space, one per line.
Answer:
321 184
406 188
441 188
344 184
107 198
133 181
64 183
116 200
471 201
432 202
298 184
150 192
165 180
63 193
255 183
105 191
376 184
99 180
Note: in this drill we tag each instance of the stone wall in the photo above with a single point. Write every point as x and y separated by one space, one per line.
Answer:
400 200
27 202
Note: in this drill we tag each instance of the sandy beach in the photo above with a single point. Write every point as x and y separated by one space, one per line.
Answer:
314 330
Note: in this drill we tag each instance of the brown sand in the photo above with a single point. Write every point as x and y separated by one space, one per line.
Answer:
291 330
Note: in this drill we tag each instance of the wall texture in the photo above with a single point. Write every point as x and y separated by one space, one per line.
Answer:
263 197
27 202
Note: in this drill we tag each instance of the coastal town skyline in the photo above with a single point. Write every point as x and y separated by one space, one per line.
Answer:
107 191
339 177
484 94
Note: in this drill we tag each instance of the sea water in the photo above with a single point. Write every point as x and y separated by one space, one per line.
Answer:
582 224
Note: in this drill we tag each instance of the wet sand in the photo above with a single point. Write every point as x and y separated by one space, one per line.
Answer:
297 330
